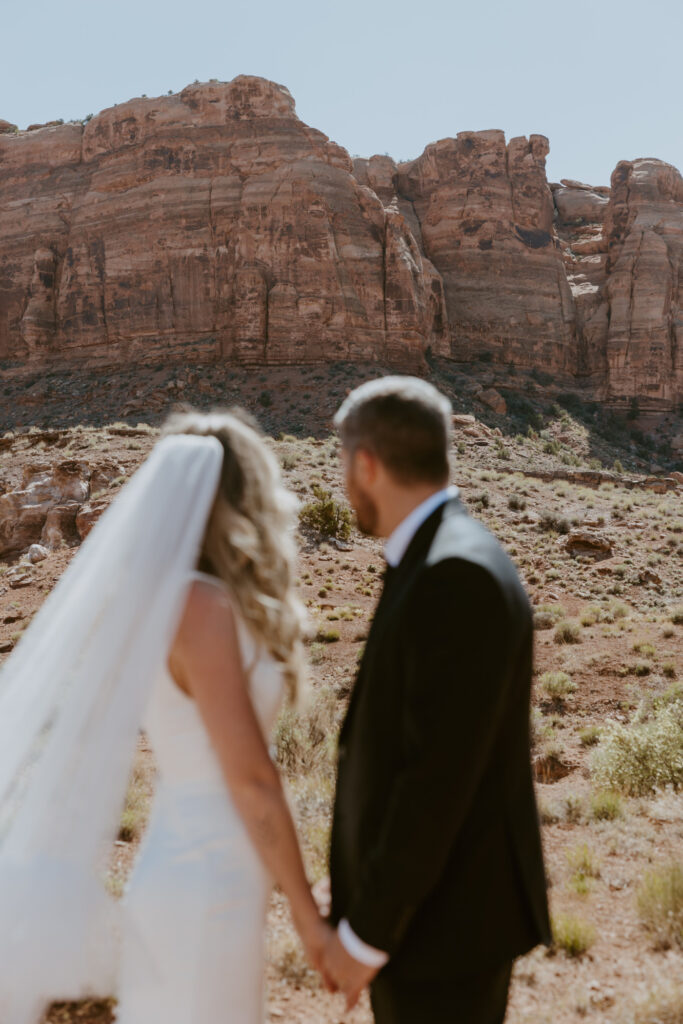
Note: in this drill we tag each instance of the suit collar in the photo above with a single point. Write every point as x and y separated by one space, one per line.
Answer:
399 541
424 535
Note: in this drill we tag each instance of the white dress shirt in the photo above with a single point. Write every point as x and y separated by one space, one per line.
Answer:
394 550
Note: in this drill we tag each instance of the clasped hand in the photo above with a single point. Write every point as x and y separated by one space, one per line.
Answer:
340 971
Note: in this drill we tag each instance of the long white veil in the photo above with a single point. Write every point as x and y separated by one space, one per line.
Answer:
72 696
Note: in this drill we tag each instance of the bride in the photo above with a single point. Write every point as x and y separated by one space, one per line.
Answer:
177 614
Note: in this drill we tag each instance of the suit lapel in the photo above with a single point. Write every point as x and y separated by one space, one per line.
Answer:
396 581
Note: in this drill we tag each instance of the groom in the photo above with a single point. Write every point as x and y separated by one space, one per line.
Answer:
437 876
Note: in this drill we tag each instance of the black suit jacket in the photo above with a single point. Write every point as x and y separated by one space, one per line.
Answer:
436 850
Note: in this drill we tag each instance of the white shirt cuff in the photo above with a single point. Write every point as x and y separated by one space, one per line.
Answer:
358 949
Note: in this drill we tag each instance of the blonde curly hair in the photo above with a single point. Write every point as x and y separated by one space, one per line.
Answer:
249 539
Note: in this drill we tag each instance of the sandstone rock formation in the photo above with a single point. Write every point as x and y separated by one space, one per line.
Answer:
49 508
209 224
215 225
486 218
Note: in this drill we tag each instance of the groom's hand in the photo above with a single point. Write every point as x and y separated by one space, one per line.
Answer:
322 894
349 975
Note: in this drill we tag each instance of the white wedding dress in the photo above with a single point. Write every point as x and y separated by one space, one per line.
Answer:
195 906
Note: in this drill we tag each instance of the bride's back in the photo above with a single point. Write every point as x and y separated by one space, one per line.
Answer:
173 723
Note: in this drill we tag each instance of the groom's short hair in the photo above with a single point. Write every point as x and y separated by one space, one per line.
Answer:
405 422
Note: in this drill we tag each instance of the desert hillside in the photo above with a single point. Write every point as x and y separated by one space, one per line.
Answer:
589 506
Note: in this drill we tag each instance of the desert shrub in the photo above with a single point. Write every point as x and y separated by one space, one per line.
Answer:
567 633
326 516
590 735
516 503
573 808
305 737
643 755
550 522
572 934
606 805
660 905
543 620
581 860
327 636
641 647
555 611
558 685
589 616
676 615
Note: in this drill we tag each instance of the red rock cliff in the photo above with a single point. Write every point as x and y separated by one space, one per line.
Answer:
214 224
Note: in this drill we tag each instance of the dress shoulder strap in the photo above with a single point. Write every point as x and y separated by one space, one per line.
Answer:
248 646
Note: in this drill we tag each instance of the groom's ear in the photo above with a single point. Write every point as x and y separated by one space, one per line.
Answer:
365 467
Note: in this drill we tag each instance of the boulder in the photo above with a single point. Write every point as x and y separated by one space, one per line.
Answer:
88 514
463 420
583 541
43 510
576 202
36 553
494 400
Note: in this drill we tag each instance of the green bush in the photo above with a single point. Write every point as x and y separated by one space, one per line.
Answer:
645 754
326 516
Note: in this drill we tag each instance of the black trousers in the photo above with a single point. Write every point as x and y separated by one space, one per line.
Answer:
461 999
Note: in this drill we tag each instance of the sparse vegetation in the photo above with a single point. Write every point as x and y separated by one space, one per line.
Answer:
660 905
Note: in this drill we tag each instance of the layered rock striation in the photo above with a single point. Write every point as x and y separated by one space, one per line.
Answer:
209 224
215 225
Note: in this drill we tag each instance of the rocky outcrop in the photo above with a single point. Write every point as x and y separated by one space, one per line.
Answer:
486 219
51 507
214 225
644 289
624 262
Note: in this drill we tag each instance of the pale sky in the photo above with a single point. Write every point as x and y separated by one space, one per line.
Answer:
602 79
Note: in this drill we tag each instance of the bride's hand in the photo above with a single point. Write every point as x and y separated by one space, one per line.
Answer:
315 936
